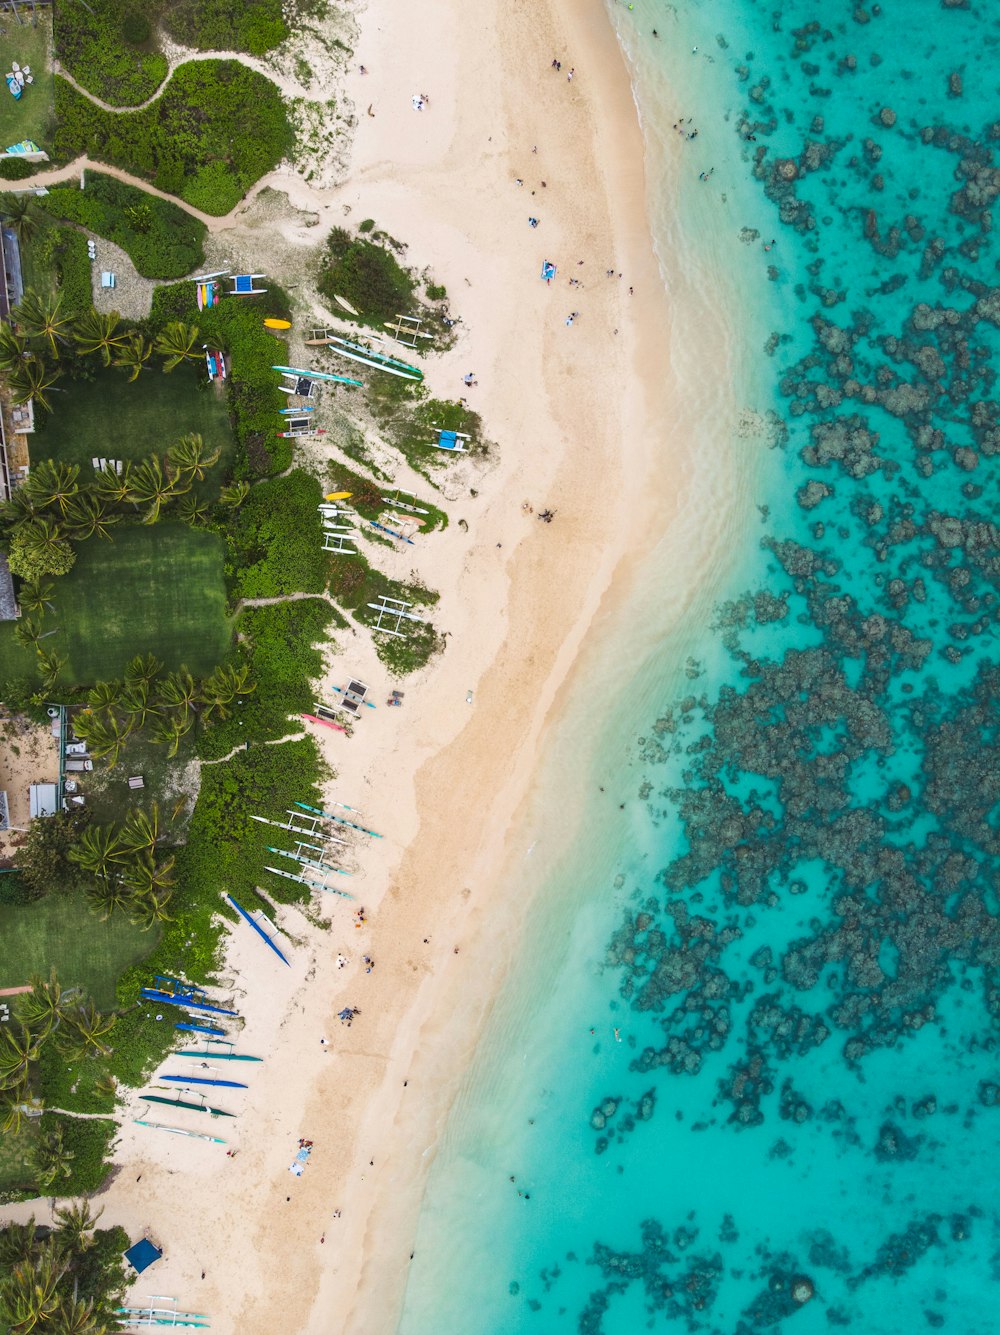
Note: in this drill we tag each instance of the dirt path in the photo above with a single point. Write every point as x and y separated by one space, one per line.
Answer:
289 87
274 741
283 598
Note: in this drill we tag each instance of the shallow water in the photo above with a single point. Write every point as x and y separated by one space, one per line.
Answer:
784 901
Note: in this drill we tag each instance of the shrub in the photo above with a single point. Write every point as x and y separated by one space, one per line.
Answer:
274 542
73 270
216 129
16 891
15 169
282 646
367 275
162 240
219 25
97 42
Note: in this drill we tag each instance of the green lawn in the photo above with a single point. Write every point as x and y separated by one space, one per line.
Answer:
60 930
16 1167
31 116
109 418
153 590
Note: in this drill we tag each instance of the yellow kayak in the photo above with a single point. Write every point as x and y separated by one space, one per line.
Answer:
271 323
338 496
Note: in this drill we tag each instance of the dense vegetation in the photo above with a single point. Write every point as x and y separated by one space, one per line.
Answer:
110 46
106 45
219 25
216 129
282 647
275 543
254 397
367 275
61 1279
162 240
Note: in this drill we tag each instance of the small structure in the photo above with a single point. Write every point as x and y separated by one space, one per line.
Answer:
142 1254
44 798
451 440
4 811
407 330
137 781
243 285
392 610
8 602
107 278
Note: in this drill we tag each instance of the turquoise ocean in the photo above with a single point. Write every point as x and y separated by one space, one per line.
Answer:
743 1075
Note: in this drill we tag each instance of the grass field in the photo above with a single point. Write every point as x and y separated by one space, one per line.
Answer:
109 418
16 1168
32 116
60 930
153 590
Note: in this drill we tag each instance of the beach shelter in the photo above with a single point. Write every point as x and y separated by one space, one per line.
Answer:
142 1254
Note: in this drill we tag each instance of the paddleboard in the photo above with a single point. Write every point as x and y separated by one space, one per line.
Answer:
337 496
272 323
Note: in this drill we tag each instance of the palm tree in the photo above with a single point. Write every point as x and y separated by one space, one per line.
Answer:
20 1045
21 505
176 342
179 690
50 664
192 509
112 485
103 736
104 695
76 1224
150 486
28 632
13 1108
88 515
235 494
223 686
21 215
98 851
145 911
36 595
139 704
143 667
17 1242
106 896
89 1026
43 318
31 379
29 1294
97 331
42 1008
51 484
141 833
189 457
170 731
13 348
76 1317
133 354
52 1157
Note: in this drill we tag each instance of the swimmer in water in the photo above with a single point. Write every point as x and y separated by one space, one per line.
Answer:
618 1037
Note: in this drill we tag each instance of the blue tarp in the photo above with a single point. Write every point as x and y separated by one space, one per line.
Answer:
142 1255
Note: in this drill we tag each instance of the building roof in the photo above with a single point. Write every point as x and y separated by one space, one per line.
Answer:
8 603
44 799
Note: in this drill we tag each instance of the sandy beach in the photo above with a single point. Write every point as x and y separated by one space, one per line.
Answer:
577 411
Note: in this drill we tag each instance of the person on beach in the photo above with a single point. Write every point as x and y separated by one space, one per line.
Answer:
569 76
532 222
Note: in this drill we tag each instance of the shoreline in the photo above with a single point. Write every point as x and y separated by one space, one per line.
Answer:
575 412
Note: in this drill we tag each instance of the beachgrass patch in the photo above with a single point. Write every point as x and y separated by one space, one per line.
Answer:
31 116
367 275
162 240
215 130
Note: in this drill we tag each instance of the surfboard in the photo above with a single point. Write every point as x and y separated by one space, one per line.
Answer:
346 305
273 323
337 496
